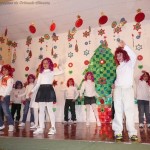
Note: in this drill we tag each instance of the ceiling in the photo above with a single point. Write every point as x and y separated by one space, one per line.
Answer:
18 17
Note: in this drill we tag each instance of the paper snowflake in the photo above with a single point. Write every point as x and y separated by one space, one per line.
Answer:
137 26
86 34
41 40
41 48
27 59
101 32
54 37
55 55
40 56
86 52
117 30
70 54
138 47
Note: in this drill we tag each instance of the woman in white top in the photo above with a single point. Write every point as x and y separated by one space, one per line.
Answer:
88 88
142 95
46 94
71 94
123 92
29 87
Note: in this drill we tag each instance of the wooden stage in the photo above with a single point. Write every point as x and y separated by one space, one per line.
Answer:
78 131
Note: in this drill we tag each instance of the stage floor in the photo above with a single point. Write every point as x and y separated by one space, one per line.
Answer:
77 131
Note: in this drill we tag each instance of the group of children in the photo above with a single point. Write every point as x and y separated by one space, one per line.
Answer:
39 94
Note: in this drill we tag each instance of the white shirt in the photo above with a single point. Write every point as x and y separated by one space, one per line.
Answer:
46 77
71 92
88 88
142 91
124 72
14 99
27 91
6 90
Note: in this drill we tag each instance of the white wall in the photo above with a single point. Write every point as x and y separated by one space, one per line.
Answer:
79 57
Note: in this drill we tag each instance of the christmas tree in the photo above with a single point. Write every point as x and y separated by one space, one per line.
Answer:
104 69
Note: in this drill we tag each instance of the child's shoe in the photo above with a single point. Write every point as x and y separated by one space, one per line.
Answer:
52 131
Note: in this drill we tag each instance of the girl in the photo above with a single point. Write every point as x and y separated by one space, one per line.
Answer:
143 99
123 92
6 85
71 94
16 101
88 88
46 94
30 85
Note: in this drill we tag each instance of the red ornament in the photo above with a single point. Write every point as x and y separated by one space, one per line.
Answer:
103 19
55 65
79 22
139 17
139 57
26 68
101 101
32 28
86 62
70 65
52 26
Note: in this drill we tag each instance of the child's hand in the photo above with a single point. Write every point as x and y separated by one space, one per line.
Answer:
73 100
80 97
121 43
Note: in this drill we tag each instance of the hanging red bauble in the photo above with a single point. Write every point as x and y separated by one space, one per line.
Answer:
103 19
32 28
139 57
79 22
86 62
26 68
52 26
70 65
139 16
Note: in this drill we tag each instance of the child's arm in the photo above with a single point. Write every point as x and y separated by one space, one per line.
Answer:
76 93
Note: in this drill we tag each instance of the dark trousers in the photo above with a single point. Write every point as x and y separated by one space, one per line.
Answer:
1 113
25 112
16 108
144 108
69 103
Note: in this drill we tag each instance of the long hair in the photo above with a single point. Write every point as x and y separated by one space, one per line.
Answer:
51 66
7 67
142 76
119 50
18 83
70 79
91 74
29 77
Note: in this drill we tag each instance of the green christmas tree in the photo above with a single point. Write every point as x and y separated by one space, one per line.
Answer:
104 69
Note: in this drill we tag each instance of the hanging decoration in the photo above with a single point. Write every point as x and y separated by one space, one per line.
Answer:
27 68
54 37
28 41
70 54
30 54
137 26
70 65
14 44
40 57
52 26
102 80
52 51
140 16
55 65
14 57
71 34
87 33
86 62
78 22
55 55
101 32
86 52
139 57
76 47
2 40
55 83
103 19
41 40
138 47
32 28
6 31
140 66
46 36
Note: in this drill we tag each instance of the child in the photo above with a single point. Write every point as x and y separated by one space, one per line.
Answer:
88 88
16 101
46 94
71 94
29 87
34 105
123 92
142 95
6 85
